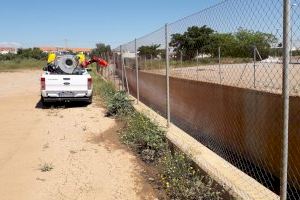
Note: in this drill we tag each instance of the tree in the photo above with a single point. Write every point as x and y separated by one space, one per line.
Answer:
101 50
206 40
35 53
248 39
149 51
226 41
195 38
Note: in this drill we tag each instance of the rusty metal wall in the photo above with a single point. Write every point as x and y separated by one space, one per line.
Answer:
153 95
239 124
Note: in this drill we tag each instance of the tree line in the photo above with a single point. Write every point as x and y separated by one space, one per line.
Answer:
34 53
204 40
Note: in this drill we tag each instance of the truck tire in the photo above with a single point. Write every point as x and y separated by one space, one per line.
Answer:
45 104
90 100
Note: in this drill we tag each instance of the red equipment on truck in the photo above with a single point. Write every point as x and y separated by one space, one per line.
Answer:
95 59
71 64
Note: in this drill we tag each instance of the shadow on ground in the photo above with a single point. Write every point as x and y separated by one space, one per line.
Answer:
40 105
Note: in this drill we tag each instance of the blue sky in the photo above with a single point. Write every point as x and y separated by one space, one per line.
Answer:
83 23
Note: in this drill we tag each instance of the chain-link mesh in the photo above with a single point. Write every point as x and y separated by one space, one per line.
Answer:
149 83
226 84
236 111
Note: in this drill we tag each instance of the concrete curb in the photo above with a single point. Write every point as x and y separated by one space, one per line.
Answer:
239 184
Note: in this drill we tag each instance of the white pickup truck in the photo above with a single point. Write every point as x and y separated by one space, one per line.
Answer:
66 87
62 87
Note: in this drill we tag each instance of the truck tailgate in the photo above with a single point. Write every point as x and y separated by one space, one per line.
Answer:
66 83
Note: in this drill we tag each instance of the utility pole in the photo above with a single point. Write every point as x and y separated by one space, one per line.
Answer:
66 43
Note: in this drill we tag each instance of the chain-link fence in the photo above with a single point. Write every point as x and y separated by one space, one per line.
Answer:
221 80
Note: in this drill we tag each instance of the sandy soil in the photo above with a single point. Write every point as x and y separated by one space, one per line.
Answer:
78 142
261 76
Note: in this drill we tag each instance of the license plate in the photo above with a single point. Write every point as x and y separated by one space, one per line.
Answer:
66 94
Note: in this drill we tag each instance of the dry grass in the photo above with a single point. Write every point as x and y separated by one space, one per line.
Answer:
19 64
46 167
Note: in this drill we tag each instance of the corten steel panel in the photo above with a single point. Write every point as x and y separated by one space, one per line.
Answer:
131 76
227 119
243 121
152 89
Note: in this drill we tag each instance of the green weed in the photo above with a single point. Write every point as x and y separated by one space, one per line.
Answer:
145 137
183 181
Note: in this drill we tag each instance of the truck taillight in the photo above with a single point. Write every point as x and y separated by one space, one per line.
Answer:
43 85
90 83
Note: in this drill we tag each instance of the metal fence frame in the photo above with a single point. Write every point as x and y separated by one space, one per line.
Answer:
285 84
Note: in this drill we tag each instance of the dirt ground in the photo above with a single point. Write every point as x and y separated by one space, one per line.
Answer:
78 142
261 76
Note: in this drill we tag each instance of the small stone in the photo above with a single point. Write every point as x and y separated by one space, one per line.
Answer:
151 179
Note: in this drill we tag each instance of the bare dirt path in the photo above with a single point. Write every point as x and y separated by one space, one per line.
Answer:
78 142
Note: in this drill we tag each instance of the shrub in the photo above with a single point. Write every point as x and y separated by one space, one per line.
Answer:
183 181
145 137
119 104
105 90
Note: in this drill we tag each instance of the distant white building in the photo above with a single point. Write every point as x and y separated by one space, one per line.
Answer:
6 50
128 54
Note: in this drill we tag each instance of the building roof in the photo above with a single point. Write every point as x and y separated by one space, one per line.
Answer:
51 48
7 49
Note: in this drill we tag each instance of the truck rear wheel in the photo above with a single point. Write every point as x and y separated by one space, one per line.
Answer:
90 100
44 103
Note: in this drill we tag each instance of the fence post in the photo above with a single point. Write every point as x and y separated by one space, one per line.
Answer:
167 75
126 80
114 67
125 77
137 72
219 58
181 63
107 55
105 73
254 67
197 64
122 67
285 96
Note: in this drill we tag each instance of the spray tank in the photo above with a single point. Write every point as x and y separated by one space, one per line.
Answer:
71 64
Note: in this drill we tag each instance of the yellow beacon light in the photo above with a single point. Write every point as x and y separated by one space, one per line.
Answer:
81 57
51 57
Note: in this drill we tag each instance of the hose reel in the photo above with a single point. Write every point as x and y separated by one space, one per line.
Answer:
67 63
